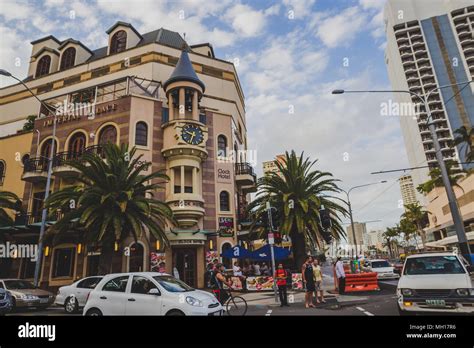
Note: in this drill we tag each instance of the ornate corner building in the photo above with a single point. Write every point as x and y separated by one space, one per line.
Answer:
181 107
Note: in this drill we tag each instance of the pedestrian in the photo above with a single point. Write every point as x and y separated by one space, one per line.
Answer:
280 276
341 276
318 282
264 270
308 281
256 270
238 273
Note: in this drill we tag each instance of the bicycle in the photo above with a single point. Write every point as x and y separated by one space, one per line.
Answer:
234 305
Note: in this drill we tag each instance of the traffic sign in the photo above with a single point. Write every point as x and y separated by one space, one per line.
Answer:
271 238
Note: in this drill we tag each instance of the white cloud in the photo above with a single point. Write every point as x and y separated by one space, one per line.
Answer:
300 8
14 54
341 29
245 20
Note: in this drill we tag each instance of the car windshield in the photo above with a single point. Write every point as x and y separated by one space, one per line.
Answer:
433 265
18 284
379 264
172 284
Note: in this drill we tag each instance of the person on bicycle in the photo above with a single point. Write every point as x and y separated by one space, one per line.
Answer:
217 283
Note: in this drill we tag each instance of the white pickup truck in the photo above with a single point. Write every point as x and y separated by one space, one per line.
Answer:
435 282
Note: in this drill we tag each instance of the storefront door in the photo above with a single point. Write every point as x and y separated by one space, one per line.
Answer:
184 260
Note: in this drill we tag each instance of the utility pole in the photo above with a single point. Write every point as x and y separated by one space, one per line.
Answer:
271 241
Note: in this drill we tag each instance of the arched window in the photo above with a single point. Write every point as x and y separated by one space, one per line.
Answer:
221 146
108 135
118 42
42 68
68 58
224 202
46 151
2 171
77 144
141 134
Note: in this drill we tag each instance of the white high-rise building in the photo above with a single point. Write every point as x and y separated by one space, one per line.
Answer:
407 189
430 43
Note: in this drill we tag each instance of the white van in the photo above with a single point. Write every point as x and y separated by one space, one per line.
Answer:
435 282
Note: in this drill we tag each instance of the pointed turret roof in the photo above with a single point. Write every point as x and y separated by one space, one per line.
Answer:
184 71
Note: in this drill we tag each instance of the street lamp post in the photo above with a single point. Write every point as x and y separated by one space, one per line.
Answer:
453 206
44 213
350 208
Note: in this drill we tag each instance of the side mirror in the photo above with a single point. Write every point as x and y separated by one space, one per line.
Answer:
154 291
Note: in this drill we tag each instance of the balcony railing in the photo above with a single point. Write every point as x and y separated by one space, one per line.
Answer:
36 164
28 219
244 168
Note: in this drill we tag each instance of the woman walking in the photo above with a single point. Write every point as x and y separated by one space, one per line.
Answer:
318 282
308 281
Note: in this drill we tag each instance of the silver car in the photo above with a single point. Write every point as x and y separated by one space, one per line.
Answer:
26 295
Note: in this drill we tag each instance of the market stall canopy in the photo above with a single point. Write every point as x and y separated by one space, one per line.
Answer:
264 253
237 252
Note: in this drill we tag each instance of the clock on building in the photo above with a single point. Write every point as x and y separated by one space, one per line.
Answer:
192 134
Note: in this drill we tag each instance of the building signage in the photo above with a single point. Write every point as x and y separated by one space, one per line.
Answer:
226 227
224 172
71 112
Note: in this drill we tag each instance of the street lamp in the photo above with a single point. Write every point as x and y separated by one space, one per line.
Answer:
350 207
453 206
44 212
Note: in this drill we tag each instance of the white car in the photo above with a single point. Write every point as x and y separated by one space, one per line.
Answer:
383 269
435 282
149 293
73 297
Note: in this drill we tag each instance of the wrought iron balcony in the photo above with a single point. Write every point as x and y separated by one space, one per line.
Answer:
245 177
35 169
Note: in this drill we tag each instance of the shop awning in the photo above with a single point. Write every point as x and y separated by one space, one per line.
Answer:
264 253
237 252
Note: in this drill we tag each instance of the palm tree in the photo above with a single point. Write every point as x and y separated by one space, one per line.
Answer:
8 201
436 180
113 201
416 215
464 136
298 193
409 230
390 234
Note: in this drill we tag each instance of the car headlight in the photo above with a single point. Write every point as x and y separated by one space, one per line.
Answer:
407 292
463 292
193 301
29 297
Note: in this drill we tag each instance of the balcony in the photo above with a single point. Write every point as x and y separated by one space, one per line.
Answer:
186 211
34 218
245 177
35 170
60 163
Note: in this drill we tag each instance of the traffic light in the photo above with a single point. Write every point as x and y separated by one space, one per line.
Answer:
325 217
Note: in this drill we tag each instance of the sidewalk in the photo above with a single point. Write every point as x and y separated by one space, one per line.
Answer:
267 298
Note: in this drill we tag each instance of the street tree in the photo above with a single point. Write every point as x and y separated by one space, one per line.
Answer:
298 192
114 199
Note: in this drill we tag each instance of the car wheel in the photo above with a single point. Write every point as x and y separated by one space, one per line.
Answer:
175 313
403 313
70 305
94 312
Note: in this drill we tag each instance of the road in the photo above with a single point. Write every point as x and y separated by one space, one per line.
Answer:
376 303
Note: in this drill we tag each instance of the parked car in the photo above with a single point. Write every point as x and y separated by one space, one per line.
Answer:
6 302
148 293
382 268
73 297
25 294
435 282
397 266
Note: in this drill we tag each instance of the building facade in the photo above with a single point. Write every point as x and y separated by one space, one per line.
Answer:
430 44
360 229
179 105
407 189
271 166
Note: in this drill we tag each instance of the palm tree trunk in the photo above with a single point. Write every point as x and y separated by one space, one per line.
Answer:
105 259
422 235
298 247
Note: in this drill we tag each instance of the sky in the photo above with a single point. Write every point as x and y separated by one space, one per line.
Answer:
289 55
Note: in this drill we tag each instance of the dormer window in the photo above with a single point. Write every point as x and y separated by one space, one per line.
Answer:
42 68
118 42
68 58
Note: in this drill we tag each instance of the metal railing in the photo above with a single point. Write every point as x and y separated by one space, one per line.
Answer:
245 168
